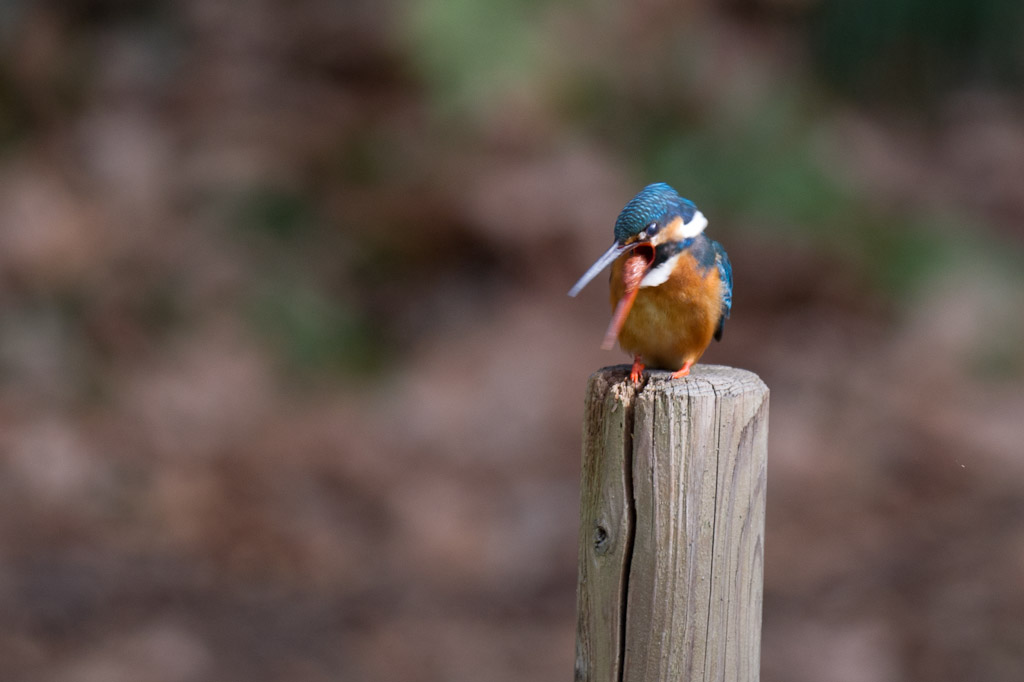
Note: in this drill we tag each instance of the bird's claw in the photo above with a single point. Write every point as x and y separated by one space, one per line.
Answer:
683 371
637 372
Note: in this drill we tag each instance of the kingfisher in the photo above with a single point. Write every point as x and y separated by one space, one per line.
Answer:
671 285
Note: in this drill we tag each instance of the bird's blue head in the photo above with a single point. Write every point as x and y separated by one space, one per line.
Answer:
654 216
651 209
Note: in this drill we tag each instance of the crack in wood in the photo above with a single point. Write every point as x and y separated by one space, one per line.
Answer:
627 471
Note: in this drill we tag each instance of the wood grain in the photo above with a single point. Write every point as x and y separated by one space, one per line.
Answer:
672 527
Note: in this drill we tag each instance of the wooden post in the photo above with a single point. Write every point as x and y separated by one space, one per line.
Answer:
672 527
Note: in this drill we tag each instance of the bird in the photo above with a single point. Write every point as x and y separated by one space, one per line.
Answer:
670 284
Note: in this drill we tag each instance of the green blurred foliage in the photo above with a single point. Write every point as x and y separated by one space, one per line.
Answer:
276 212
289 301
313 331
765 176
471 52
910 51
761 167
14 115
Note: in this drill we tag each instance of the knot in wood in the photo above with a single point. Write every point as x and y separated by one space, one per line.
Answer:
600 539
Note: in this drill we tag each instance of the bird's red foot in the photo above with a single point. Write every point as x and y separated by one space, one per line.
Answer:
638 369
683 371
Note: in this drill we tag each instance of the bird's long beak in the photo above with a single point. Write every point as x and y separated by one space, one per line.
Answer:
604 261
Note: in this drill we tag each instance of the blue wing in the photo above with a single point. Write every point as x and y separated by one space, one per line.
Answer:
725 275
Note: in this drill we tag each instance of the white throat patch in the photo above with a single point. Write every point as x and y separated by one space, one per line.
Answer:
660 274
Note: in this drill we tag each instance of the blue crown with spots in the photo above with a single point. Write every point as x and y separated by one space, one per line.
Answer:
657 203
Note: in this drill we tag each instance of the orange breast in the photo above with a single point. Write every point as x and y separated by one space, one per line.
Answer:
674 321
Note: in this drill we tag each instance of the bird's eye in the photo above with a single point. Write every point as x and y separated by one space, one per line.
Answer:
652 229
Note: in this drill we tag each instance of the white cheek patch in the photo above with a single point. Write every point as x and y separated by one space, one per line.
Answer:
660 274
677 230
694 227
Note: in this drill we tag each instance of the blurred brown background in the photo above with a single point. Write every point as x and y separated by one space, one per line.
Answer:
290 388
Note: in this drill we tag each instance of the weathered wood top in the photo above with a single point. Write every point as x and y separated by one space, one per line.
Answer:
703 379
